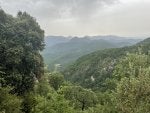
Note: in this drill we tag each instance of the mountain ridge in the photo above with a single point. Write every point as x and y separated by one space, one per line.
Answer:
100 65
65 50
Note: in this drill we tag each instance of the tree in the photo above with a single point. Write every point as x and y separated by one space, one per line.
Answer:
48 100
42 87
53 103
131 65
9 103
79 97
133 90
56 80
29 102
21 40
133 94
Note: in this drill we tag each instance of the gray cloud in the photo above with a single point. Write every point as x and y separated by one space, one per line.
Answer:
57 8
86 17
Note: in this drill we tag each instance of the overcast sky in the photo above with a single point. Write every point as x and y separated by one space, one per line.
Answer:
86 17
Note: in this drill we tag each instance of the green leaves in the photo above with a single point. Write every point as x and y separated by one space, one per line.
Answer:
9 103
48 100
21 40
81 98
56 80
131 65
133 90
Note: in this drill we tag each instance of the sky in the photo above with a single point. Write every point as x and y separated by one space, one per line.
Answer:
86 17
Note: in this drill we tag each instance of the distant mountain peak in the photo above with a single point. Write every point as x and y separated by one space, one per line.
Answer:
77 39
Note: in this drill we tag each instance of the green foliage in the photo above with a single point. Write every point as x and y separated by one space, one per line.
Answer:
132 93
29 103
21 39
48 100
101 109
9 103
53 103
131 65
100 65
56 80
106 104
43 87
80 98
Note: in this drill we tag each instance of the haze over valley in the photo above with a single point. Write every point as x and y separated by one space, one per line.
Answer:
65 50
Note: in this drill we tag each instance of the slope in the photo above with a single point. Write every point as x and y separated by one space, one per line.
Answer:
92 70
68 51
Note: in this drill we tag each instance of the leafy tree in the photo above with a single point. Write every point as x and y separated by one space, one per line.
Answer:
21 39
106 103
131 65
9 103
29 102
56 80
81 98
101 109
2 81
42 87
48 100
53 103
132 93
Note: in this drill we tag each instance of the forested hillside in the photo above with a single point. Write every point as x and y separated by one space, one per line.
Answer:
107 81
100 65
65 50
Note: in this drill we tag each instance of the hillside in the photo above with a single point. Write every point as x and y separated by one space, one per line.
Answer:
92 70
53 40
65 50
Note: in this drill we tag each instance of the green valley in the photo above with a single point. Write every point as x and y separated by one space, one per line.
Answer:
65 50
100 65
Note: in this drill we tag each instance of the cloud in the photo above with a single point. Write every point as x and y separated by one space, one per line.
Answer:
56 9
57 14
86 17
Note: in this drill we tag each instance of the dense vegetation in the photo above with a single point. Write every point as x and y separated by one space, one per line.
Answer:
27 87
64 51
21 39
93 70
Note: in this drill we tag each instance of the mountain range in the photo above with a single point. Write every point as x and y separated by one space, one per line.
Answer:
99 65
65 50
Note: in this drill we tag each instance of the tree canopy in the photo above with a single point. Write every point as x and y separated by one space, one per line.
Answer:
21 40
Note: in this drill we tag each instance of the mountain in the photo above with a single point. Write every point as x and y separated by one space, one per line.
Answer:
92 70
52 40
123 41
65 50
